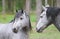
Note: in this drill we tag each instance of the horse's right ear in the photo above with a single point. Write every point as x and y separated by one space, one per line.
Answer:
21 10
44 8
16 10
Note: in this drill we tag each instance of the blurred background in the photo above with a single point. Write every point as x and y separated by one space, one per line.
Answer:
33 8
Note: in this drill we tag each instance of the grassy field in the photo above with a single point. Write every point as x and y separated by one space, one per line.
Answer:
49 33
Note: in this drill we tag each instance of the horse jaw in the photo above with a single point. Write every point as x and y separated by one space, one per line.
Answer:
57 22
21 35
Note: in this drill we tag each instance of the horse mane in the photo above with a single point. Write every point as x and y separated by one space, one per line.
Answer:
54 13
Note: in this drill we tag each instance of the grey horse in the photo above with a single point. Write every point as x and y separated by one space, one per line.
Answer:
49 15
18 28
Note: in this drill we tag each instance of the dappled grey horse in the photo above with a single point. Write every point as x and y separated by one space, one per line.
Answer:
49 15
18 28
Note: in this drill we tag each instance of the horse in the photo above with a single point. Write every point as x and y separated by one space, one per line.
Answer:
21 25
18 28
49 15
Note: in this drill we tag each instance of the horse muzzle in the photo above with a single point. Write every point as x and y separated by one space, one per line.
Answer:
15 30
39 30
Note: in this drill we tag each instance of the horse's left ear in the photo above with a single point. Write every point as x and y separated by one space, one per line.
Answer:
16 10
21 10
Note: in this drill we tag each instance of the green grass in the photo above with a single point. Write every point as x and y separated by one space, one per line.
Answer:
33 17
49 33
6 18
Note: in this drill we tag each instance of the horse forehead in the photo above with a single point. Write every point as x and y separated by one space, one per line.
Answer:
19 14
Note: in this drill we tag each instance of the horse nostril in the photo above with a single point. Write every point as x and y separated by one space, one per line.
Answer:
38 30
15 30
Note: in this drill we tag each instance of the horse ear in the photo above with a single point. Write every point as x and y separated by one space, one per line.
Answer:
16 10
44 8
22 11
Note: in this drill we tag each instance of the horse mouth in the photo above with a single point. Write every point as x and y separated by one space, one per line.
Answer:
15 30
41 29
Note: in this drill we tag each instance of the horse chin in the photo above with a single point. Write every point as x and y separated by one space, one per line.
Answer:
15 30
41 29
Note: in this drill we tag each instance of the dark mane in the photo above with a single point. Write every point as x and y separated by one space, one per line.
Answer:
53 12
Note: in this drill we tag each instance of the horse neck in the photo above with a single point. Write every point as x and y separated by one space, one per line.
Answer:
24 35
57 22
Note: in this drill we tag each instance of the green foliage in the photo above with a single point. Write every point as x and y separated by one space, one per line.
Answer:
33 4
6 18
0 8
20 4
43 2
33 17
0 5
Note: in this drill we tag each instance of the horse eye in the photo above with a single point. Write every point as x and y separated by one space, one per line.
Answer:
21 18
41 16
